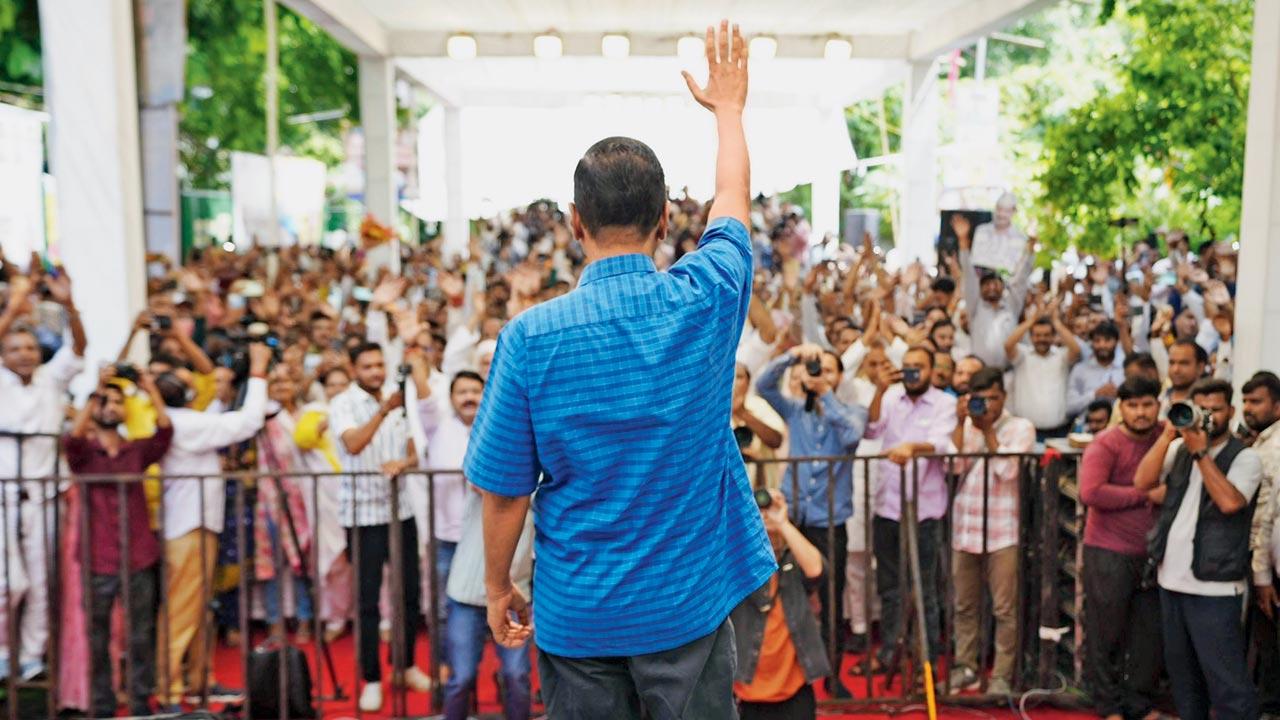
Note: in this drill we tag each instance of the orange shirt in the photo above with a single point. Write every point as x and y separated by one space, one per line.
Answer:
778 672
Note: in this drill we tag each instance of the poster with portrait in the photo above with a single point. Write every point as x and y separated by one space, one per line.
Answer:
300 184
21 183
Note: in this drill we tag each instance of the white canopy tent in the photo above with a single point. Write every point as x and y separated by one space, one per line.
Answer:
511 125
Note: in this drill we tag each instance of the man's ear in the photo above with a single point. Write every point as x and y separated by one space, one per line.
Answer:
575 223
661 231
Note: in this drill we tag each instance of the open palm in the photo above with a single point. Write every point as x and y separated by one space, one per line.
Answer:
726 71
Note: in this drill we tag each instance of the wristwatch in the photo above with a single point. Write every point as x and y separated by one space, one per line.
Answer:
1197 455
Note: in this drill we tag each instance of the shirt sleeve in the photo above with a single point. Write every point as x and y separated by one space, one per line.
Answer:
76 450
156 446
767 386
850 421
1246 473
1096 489
723 260
64 366
502 455
207 431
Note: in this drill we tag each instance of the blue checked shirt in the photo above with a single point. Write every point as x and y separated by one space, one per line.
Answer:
618 397
836 430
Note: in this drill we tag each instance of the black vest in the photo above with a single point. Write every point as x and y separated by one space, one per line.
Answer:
1220 551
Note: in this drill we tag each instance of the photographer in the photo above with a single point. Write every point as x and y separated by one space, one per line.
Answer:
95 447
818 425
780 650
1201 546
986 503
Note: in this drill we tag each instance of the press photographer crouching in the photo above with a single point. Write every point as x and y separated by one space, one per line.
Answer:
780 651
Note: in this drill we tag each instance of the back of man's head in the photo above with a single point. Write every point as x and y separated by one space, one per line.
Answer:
619 184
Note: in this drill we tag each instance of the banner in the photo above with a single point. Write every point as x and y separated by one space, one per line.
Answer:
300 184
21 183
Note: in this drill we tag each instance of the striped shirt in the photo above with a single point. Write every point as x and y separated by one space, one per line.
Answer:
364 498
614 402
1013 435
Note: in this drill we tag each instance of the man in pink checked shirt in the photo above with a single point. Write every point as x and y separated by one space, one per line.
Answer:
912 418
984 426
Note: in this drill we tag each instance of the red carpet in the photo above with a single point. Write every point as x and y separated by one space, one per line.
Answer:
229 672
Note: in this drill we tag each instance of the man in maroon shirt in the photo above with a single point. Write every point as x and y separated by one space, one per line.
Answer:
95 447
1122 618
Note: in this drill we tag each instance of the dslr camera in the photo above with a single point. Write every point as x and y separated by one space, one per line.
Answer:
1183 415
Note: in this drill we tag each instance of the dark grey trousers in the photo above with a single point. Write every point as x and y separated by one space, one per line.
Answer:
104 591
691 682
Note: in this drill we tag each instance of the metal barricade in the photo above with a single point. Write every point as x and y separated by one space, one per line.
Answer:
1045 484
1041 603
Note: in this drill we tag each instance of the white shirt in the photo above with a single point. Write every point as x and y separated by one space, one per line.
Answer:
197 438
1175 570
447 438
1040 386
365 499
37 407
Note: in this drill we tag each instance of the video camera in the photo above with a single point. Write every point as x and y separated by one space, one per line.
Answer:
250 330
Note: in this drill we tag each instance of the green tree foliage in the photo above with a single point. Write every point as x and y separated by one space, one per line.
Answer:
1167 146
225 106
21 71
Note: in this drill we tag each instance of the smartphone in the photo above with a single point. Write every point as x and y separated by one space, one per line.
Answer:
910 376
977 406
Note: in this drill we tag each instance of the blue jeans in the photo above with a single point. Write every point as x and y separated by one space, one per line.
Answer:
466 631
271 589
444 560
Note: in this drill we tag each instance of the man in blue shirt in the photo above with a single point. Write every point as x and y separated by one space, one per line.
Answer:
613 402
818 424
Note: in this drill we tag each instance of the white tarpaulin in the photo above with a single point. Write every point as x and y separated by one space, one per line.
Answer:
512 156
300 186
21 183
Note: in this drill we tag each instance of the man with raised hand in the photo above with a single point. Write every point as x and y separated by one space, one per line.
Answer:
613 402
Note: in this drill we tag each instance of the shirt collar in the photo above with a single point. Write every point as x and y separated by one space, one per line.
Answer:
617 265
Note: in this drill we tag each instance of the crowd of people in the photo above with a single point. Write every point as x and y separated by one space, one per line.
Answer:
306 362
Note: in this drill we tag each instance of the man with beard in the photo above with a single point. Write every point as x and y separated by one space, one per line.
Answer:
1100 375
374 446
1261 401
1201 544
95 447
963 372
1122 619
1187 362
1040 377
912 418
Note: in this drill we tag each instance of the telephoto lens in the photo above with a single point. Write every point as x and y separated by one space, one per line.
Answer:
1184 415
814 367
763 498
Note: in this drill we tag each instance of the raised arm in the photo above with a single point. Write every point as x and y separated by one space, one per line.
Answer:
725 95
1069 339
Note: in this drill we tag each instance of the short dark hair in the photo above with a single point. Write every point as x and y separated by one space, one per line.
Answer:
619 183
1202 355
1138 387
1213 386
1105 329
944 322
465 375
943 284
363 348
1263 379
172 389
1043 321
987 378
928 351
1098 404
1141 359
319 315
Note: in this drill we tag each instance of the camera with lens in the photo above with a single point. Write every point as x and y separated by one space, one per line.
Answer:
250 330
744 436
977 406
813 366
1183 415
763 499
